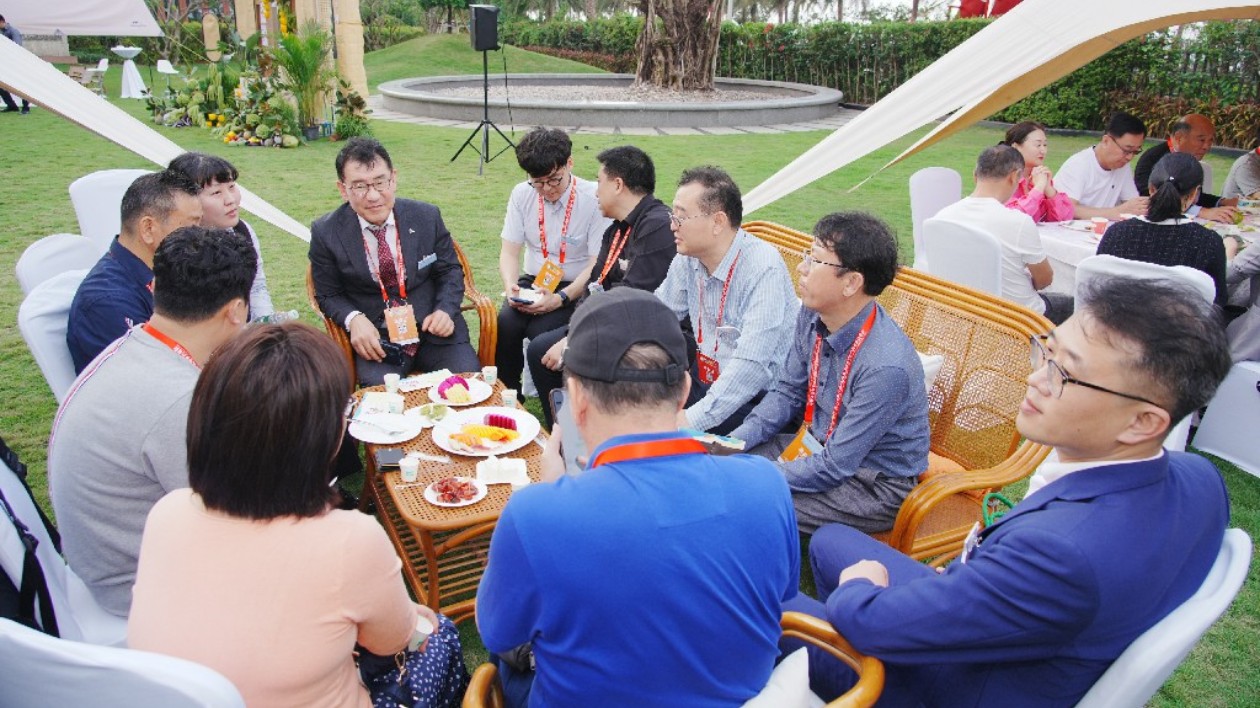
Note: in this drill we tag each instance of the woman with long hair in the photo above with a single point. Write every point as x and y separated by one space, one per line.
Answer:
1036 195
1165 236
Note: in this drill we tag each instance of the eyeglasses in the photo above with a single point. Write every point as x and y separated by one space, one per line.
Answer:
360 189
552 180
677 221
1131 152
807 257
1057 379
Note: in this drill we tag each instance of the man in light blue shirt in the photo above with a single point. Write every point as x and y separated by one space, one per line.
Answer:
854 378
735 292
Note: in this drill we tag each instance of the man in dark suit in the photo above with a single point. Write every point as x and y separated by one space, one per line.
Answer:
386 269
1113 534
1194 134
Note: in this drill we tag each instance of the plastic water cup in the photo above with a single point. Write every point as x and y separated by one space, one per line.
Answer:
509 397
409 467
490 374
424 628
391 383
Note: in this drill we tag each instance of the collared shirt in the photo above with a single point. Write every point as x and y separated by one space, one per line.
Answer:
883 423
115 296
586 225
1052 470
649 249
373 251
756 325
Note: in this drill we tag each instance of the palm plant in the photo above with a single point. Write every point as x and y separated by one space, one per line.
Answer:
302 60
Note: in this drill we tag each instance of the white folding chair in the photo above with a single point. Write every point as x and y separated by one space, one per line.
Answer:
1139 672
42 319
97 199
97 74
963 254
55 254
1104 266
39 670
1233 417
1209 183
164 66
931 189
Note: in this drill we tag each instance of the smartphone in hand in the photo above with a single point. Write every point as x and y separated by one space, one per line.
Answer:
572 446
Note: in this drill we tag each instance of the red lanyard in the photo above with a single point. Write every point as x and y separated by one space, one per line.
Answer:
171 343
399 266
726 289
614 252
652 448
564 227
844 375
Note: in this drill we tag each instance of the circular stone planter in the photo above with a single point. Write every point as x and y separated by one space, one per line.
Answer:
784 103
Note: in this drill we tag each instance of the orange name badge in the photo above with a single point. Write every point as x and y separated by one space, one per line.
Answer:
802 446
708 368
548 278
400 321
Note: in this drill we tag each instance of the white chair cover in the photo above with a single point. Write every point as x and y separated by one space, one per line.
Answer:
55 254
931 189
1229 427
1139 672
97 200
964 255
39 670
42 320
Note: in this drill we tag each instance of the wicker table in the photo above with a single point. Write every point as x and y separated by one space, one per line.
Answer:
443 550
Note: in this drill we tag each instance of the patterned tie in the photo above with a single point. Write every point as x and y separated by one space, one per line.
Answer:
388 272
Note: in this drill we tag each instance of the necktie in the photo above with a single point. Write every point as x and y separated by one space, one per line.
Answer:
388 272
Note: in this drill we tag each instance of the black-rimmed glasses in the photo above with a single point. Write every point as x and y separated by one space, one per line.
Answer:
807 257
360 189
1058 379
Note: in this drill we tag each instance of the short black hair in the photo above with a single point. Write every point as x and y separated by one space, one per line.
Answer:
1173 178
204 169
153 195
196 271
364 151
720 192
1018 133
863 243
1120 124
543 150
630 165
998 162
265 422
617 396
1183 354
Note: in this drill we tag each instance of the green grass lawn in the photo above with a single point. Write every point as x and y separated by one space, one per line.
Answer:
45 153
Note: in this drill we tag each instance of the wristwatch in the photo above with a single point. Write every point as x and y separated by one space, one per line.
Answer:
564 297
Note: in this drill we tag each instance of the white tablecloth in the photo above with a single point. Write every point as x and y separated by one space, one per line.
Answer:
132 85
1065 248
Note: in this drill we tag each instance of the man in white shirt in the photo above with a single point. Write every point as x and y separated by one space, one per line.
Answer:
1025 268
1098 179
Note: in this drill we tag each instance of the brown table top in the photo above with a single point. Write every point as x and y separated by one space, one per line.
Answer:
410 500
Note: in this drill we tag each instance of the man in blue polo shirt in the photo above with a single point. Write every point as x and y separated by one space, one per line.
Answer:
656 577
117 293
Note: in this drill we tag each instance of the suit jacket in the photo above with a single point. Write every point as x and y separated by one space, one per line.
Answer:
1146 164
344 283
1054 592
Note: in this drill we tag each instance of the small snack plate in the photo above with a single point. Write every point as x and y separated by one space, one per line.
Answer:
423 413
385 428
527 428
478 391
431 496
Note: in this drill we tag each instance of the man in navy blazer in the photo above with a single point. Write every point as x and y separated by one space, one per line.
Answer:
1112 536
354 284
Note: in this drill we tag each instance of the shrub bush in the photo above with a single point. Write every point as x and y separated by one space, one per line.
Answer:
387 31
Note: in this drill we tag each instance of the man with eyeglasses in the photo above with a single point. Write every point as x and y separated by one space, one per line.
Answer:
555 218
386 269
1098 179
847 419
734 291
1110 538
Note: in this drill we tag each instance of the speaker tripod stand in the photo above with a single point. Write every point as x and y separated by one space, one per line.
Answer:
486 124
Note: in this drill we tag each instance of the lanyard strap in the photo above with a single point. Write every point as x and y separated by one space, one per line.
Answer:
170 343
399 267
614 252
721 312
814 365
652 448
564 226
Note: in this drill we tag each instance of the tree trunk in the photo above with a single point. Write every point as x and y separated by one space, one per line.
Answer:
914 10
678 46
839 10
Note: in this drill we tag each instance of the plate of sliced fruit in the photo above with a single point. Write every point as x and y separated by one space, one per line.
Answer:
452 492
460 391
486 431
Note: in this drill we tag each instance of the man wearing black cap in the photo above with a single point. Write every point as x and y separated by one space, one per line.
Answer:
657 575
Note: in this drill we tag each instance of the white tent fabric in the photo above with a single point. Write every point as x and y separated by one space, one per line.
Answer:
25 74
129 18
1025 50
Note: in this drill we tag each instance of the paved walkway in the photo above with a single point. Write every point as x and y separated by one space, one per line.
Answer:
379 112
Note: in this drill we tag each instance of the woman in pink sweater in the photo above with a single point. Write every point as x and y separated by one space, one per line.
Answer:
1036 195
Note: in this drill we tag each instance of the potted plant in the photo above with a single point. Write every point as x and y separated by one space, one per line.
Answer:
304 71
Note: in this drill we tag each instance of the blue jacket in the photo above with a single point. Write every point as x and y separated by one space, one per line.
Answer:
1054 592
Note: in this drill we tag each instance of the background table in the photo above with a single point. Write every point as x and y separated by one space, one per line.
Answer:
1065 248
443 550
132 85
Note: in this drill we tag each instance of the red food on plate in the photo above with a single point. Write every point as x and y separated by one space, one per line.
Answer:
453 490
499 420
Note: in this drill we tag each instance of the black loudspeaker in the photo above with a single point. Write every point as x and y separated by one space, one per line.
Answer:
483 27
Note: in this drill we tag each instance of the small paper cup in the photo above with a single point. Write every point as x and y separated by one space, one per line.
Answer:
490 374
1100 224
391 383
509 397
409 468
424 628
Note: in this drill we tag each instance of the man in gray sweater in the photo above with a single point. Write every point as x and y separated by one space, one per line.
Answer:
118 442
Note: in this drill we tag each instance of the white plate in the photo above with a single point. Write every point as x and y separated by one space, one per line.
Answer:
1079 225
526 425
424 419
478 391
431 496
366 428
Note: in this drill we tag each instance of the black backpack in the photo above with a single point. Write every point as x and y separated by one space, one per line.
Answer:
19 598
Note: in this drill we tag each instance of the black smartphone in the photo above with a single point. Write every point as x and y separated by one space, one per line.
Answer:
393 353
388 457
